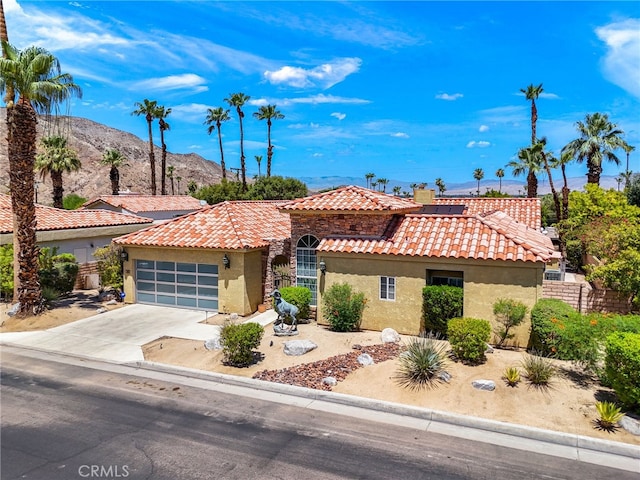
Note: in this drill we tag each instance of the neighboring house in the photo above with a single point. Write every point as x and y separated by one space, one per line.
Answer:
385 246
156 207
79 232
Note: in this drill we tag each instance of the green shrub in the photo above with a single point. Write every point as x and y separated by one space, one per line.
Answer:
58 272
238 342
422 364
300 297
544 333
6 271
509 313
49 294
538 370
622 367
468 338
109 266
342 307
440 303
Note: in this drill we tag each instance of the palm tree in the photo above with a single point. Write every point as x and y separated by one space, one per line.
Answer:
238 100
627 174
259 160
34 75
369 177
170 170
373 185
161 114
148 109
500 174
268 113
396 190
441 186
4 37
56 159
562 161
532 93
383 182
114 159
547 160
178 180
478 174
529 162
597 142
215 117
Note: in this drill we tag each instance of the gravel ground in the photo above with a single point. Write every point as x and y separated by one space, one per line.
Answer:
310 375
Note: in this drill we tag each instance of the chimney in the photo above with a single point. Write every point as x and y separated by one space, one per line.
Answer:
424 196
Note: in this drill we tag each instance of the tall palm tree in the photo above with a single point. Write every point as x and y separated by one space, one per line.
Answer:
548 160
268 113
597 142
259 160
532 93
178 180
396 190
215 117
161 114
627 173
530 163
170 170
114 159
238 100
383 182
441 186
478 174
562 161
500 175
4 37
57 159
369 177
148 108
35 77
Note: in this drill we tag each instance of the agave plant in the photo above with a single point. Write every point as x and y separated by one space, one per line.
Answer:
422 364
610 415
511 376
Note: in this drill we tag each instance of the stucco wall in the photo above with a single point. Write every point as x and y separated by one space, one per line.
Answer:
239 287
484 283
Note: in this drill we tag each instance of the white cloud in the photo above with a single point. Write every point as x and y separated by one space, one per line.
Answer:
483 128
621 64
189 81
321 98
446 96
317 155
324 76
480 144
400 135
339 116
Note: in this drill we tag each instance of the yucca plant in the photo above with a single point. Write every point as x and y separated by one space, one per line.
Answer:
538 370
511 376
422 364
610 415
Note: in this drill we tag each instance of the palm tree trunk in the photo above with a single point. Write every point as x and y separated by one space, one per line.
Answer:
556 200
534 120
243 167
532 185
58 190
163 164
152 158
593 172
222 164
565 193
21 126
114 176
269 148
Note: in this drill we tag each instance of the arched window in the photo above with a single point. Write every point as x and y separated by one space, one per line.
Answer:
306 265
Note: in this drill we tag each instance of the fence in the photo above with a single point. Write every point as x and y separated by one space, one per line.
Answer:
584 298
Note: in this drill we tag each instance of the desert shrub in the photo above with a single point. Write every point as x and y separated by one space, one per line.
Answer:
342 307
238 342
72 201
109 266
609 415
300 297
49 294
6 271
538 370
622 367
511 375
468 338
422 363
57 272
509 313
544 334
440 303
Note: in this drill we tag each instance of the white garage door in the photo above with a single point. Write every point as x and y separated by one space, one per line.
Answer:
191 285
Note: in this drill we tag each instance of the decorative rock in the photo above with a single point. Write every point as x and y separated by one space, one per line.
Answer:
213 344
631 425
365 359
331 381
489 349
101 310
111 302
298 347
15 308
389 335
487 385
233 317
445 377
283 330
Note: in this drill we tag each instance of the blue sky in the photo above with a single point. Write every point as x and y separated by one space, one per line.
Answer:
410 91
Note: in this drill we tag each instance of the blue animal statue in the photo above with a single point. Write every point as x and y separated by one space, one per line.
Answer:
284 309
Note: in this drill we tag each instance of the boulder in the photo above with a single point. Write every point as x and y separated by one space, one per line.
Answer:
298 347
213 344
445 377
487 385
331 381
13 311
630 424
389 335
365 359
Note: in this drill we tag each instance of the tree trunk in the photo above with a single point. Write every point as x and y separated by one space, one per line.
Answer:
163 162
114 176
534 120
152 158
58 190
556 200
532 185
222 165
21 126
565 193
269 148
593 172
243 167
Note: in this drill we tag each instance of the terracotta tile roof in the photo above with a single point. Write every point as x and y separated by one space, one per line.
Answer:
227 225
49 218
353 199
495 236
525 210
148 203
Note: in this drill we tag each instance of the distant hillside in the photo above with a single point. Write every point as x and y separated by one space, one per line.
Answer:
90 140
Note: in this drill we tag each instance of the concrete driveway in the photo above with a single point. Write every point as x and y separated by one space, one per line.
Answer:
118 335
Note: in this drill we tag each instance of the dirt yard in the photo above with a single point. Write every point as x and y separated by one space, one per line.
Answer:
567 405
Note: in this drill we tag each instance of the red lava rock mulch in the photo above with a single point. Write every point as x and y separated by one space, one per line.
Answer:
310 375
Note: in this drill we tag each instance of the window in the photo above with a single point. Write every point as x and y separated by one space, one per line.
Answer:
387 288
306 265
445 277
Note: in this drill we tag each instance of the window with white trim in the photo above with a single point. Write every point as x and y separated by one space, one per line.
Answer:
388 288
306 265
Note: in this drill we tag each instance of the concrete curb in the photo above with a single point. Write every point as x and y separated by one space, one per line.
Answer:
477 423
